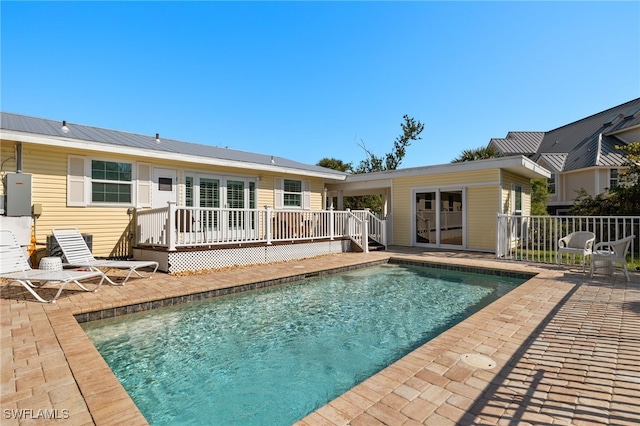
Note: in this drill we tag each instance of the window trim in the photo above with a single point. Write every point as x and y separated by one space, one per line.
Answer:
614 181
299 194
305 199
80 182
517 189
551 184
130 183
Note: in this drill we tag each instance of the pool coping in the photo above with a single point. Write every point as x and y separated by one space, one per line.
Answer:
103 400
225 291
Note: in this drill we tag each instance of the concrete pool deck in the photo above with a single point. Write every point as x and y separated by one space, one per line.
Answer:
565 348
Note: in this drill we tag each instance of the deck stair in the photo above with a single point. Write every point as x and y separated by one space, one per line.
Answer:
375 246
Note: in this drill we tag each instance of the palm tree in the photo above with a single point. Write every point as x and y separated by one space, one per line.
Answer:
481 153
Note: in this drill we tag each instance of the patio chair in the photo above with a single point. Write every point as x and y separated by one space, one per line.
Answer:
607 254
578 243
14 267
77 253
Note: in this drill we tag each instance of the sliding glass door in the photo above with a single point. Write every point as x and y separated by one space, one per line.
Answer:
439 218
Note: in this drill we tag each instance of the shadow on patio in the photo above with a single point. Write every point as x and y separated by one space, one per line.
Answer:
580 366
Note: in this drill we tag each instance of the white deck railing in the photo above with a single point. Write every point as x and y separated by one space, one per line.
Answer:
535 238
174 227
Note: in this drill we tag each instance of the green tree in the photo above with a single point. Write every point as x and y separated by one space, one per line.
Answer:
335 164
411 130
587 205
624 199
627 192
481 153
539 197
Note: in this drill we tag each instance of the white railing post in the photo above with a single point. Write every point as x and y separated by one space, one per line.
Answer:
348 223
171 228
268 229
365 235
498 237
331 223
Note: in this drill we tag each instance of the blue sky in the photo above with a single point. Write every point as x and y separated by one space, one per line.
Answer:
307 80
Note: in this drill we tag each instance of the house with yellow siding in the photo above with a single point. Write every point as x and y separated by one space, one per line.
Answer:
95 179
192 206
449 206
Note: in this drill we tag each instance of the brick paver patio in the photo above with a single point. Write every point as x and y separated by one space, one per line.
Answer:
565 349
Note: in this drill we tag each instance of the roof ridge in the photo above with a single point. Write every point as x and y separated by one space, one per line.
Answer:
593 115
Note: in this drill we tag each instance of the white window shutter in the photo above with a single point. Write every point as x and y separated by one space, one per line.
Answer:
306 194
76 182
144 185
278 193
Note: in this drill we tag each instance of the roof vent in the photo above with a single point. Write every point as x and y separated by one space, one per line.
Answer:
612 120
633 113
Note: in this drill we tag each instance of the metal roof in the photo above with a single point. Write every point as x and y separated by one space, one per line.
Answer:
554 161
525 143
585 143
146 144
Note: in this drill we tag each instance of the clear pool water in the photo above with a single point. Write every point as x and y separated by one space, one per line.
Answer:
273 356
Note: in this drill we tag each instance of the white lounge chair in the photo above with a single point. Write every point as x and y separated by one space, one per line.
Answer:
576 243
77 253
14 267
607 254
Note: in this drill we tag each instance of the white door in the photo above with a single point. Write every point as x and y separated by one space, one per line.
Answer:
164 187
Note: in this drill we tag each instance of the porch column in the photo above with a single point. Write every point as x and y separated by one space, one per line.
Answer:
385 203
324 199
171 226
340 199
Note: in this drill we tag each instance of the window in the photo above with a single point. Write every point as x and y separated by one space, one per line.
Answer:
111 182
551 184
517 198
165 184
188 191
292 193
614 178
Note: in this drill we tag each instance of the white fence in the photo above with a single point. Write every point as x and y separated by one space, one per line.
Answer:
174 227
535 238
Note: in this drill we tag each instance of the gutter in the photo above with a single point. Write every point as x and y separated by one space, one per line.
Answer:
162 155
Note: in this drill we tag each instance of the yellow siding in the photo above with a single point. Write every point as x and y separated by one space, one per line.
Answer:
402 196
508 180
267 184
7 160
48 165
482 209
447 179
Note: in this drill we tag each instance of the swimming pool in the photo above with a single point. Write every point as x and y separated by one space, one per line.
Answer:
272 356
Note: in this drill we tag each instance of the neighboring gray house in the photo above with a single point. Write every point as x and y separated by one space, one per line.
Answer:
580 155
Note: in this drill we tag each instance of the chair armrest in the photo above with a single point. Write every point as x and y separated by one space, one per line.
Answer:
562 242
589 244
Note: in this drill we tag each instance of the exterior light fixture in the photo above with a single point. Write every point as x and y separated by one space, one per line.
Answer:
157 137
64 128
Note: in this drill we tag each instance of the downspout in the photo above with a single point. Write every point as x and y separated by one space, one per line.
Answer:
597 163
18 157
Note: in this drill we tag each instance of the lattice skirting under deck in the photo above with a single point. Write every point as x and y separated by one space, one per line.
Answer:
198 260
